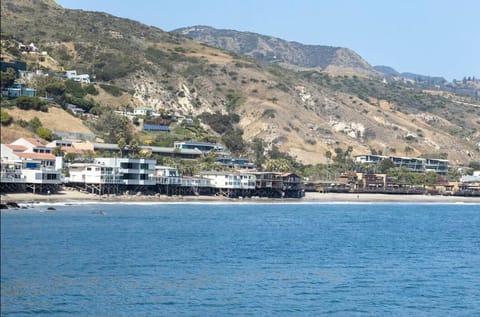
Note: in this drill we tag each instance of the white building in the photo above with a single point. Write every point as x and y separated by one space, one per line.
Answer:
34 172
29 168
82 78
195 182
166 175
92 173
29 145
143 111
202 146
112 170
226 180
414 164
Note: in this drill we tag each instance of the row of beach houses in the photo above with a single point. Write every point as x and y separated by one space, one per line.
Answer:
29 165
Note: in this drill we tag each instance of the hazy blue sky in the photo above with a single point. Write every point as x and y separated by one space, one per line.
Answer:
431 37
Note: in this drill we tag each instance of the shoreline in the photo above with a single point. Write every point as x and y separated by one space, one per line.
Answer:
68 196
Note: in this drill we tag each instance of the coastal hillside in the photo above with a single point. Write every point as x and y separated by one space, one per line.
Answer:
335 60
305 112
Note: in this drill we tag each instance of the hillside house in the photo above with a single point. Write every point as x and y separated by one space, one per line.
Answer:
31 145
82 78
17 66
202 146
418 164
185 154
19 90
27 48
143 112
236 163
156 127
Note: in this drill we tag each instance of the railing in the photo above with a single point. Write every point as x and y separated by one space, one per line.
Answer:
168 180
8 178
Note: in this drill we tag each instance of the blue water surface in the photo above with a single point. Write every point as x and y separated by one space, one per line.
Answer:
241 260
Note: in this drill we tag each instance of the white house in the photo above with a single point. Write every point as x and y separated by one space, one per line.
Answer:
34 172
72 75
31 168
59 144
195 182
131 171
93 173
167 175
142 111
30 145
226 180
28 161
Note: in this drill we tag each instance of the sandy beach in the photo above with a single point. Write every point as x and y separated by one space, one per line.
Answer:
72 196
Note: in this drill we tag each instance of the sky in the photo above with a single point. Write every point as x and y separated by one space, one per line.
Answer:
429 37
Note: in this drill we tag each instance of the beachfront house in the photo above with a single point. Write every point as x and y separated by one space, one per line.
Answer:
112 175
131 171
113 170
227 180
166 175
93 173
22 169
230 184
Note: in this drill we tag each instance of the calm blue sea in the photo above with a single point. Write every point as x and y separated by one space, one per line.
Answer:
241 260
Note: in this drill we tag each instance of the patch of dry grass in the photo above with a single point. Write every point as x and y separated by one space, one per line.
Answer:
56 119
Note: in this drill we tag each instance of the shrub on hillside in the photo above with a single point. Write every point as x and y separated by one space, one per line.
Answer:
90 89
218 122
31 103
44 133
5 118
81 102
112 90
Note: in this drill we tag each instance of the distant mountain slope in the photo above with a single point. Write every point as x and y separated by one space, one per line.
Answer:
387 70
275 50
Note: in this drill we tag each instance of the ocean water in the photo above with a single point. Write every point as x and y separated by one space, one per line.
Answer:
307 259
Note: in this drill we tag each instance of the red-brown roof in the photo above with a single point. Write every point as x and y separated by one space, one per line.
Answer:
16 148
37 156
34 142
69 149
